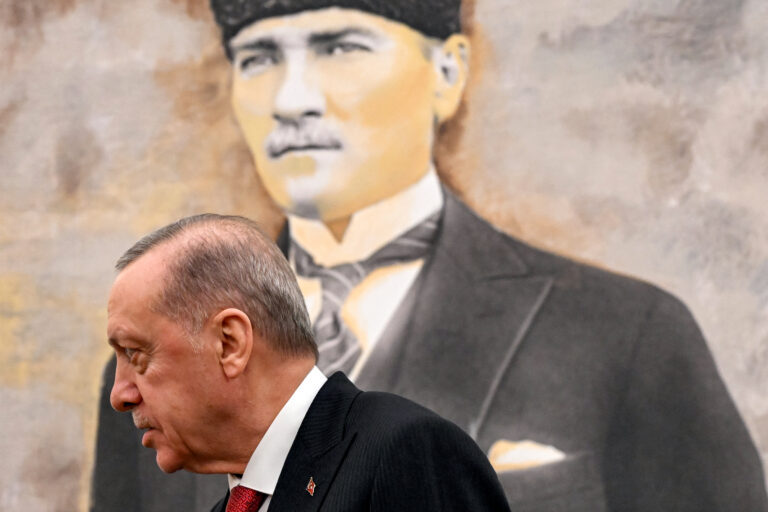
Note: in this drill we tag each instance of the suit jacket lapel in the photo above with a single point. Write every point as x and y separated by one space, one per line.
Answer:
460 326
318 450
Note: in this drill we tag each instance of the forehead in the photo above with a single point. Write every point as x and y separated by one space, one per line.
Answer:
137 285
300 27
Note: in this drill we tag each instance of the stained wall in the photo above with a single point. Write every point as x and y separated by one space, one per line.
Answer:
629 133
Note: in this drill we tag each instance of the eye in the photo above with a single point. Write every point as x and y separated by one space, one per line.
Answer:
255 63
343 47
132 354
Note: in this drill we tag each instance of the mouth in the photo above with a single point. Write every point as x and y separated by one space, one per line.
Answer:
277 152
143 423
145 438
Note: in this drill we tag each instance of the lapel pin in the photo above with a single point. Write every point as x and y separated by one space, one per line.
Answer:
311 487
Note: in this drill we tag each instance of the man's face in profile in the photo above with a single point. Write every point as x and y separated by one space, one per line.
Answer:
337 106
169 386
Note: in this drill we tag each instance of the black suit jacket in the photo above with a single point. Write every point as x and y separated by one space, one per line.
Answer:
378 452
510 342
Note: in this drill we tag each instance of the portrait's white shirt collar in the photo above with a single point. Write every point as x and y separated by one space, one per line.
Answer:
372 227
268 459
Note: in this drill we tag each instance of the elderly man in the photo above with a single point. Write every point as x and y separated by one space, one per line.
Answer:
216 363
587 390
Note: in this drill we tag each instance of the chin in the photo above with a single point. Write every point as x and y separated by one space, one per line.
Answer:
303 207
168 463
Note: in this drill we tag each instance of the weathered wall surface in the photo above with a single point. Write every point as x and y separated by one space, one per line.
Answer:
630 133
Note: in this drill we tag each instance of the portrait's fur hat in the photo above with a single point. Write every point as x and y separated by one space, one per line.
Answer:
433 18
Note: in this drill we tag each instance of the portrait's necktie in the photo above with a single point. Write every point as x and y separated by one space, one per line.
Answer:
243 499
338 347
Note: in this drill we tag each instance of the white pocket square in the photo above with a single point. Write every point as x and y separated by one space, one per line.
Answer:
514 455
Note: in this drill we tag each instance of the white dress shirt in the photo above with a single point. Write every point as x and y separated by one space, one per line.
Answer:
267 461
372 303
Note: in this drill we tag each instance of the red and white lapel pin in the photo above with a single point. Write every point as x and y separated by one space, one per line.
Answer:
311 487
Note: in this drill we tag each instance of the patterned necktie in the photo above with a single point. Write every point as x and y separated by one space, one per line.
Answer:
243 499
339 348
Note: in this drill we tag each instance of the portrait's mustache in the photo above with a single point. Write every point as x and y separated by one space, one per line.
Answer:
301 137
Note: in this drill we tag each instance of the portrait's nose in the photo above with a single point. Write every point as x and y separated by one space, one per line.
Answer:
125 395
298 96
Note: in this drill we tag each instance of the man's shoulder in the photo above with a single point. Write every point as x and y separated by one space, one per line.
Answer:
391 415
388 407
388 425
376 408
396 428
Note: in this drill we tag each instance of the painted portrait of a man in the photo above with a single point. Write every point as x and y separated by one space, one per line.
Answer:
588 391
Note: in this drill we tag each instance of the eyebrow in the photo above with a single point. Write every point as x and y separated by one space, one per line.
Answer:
264 44
335 35
121 339
268 43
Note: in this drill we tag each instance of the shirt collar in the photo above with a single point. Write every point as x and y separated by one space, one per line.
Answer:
267 461
372 227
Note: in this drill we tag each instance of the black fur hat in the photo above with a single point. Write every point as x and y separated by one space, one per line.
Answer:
433 18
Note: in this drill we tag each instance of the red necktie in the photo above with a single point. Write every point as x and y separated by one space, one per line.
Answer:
243 499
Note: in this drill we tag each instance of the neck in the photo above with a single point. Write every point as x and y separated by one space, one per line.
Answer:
338 227
266 386
356 237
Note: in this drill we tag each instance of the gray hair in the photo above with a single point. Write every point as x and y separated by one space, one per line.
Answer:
227 261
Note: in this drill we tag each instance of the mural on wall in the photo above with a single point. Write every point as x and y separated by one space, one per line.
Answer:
627 133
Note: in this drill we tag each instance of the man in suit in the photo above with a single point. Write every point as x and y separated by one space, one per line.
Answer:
216 364
587 390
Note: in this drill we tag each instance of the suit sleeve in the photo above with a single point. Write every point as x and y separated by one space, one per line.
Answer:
434 465
678 442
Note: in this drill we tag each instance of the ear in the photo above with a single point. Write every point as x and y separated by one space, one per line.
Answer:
451 60
234 340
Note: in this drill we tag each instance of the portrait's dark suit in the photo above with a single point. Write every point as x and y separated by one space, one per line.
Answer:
513 343
377 452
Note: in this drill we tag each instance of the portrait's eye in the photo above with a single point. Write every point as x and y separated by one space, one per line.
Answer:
256 63
343 47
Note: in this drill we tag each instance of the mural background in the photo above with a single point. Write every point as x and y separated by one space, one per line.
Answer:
629 133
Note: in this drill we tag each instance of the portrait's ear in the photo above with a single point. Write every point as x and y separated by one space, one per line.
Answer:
451 61
234 340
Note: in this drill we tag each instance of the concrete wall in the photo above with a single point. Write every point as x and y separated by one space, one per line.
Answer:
629 133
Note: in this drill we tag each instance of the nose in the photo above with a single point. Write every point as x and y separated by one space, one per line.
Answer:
125 395
298 96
